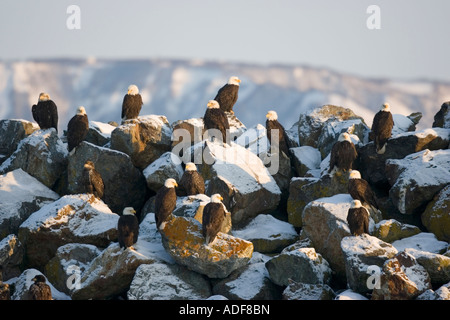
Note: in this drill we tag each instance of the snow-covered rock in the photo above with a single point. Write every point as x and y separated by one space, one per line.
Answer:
304 190
11 257
392 230
437 265
402 278
241 178
423 241
443 293
307 291
436 217
364 255
162 281
304 159
301 265
188 132
442 117
350 295
325 224
268 234
125 185
166 166
24 281
236 285
417 178
20 196
255 140
68 264
99 133
11 133
71 219
144 139
372 165
183 239
405 123
42 154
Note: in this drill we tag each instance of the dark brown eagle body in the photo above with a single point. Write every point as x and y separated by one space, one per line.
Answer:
131 106
165 202
213 216
128 230
358 220
45 113
92 180
360 190
282 137
342 155
192 183
39 290
227 97
77 130
382 125
215 118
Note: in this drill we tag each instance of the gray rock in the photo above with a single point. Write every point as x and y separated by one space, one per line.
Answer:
417 178
99 133
443 293
302 265
436 217
125 185
11 133
161 281
364 257
144 139
437 265
307 291
166 166
442 117
11 257
20 196
304 159
42 155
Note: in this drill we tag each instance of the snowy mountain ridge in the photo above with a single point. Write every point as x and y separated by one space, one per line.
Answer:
180 89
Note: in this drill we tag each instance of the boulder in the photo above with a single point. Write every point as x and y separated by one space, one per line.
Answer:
364 257
321 127
307 291
417 178
99 133
166 166
423 241
304 190
442 117
436 217
392 230
42 155
144 139
183 239
402 278
71 219
125 185
372 165
11 133
11 257
268 234
188 132
241 178
304 159
110 273
325 224
443 293
437 265
255 140
302 265
236 285
162 281
64 270
24 281
350 295
20 196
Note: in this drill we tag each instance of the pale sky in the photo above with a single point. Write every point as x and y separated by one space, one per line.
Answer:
413 41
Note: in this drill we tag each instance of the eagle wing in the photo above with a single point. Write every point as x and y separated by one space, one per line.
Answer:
97 183
165 203
227 96
53 114
131 106
213 215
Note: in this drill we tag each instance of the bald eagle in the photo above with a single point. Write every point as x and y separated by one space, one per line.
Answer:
77 128
382 125
343 153
39 290
132 103
360 189
213 216
228 94
128 228
92 180
165 202
358 218
192 182
216 119
439 117
273 124
45 112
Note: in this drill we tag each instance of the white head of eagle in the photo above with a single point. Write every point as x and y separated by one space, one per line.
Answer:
170 183
129 211
213 104
344 137
44 96
81 111
386 107
234 80
272 115
356 204
216 198
355 174
190 166
133 90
